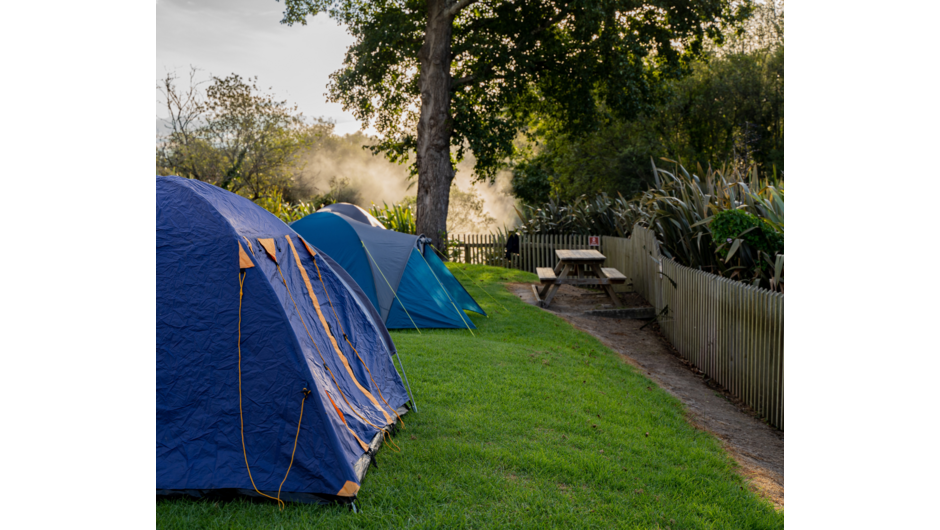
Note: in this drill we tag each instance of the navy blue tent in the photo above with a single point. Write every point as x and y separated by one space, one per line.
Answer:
274 373
400 273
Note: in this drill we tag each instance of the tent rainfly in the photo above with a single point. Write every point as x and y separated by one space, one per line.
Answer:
274 373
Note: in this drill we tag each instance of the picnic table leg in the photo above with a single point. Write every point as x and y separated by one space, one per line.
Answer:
548 286
544 290
609 289
553 287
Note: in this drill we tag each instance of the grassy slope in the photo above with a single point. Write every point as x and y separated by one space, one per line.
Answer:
529 423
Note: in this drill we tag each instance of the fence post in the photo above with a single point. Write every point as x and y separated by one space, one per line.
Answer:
523 252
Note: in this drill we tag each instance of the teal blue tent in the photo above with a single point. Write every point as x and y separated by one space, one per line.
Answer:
400 273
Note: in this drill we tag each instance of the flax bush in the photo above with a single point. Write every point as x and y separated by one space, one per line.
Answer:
284 210
679 208
399 217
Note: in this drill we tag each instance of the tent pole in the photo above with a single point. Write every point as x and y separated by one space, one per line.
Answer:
405 376
390 288
459 312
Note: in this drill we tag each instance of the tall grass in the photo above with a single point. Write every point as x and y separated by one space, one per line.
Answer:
678 207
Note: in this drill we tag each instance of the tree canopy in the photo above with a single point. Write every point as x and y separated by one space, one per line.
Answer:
727 111
234 136
512 58
437 77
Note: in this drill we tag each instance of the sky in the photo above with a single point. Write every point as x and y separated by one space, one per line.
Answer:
221 37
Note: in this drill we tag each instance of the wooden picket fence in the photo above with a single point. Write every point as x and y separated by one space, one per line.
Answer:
729 330
534 251
482 249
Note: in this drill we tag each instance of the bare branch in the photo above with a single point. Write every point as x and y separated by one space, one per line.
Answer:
455 8
463 80
551 22
475 78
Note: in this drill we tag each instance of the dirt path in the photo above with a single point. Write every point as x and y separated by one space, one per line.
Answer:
756 446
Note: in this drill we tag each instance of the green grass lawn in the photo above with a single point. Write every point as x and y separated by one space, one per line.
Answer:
529 423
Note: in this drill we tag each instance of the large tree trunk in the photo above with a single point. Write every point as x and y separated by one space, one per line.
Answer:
435 126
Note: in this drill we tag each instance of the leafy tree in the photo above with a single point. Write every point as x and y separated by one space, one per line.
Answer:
615 158
442 76
728 110
234 136
532 180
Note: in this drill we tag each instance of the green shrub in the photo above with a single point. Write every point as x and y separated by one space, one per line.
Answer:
729 225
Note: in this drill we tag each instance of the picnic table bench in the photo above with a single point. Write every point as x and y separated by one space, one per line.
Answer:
587 270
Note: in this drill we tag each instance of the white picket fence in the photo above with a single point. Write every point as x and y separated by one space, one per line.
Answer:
729 330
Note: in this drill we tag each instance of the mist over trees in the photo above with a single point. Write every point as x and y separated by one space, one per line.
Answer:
573 97
235 136
443 77
724 108
228 132
562 127
353 174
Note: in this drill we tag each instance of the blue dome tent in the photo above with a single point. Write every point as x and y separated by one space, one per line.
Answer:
400 273
274 373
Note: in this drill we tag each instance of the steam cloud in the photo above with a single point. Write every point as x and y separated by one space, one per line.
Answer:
375 179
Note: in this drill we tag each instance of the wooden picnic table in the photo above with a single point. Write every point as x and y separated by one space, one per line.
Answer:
586 268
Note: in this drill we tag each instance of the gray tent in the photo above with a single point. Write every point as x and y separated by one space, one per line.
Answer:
353 212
